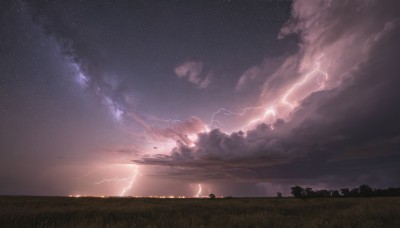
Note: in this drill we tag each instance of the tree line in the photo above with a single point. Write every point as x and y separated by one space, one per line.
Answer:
361 191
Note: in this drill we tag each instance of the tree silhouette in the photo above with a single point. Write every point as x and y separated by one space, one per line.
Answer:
335 193
345 192
365 190
298 192
361 191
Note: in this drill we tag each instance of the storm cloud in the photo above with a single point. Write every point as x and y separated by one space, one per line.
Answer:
347 130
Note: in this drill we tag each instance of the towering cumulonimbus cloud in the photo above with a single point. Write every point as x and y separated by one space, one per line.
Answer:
336 120
335 39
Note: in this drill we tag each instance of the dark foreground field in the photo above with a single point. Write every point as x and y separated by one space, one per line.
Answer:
236 212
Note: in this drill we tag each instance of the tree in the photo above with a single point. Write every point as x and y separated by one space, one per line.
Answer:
323 193
279 194
345 192
335 193
309 192
365 190
212 196
355 192
361 191
298 192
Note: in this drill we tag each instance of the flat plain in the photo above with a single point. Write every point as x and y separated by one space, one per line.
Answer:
29 211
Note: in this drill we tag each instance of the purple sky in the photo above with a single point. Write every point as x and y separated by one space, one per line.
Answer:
242 98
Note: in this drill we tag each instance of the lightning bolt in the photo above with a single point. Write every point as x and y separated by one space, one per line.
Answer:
131 181
93 171
227 112
305 79
171 122
271 114
199 192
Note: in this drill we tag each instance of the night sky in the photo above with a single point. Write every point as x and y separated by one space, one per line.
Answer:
241 98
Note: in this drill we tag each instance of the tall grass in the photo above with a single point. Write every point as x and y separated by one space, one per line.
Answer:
236 212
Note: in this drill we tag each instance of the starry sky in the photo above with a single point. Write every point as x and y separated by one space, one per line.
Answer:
242 98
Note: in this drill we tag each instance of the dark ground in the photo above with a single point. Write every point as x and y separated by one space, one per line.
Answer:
26 211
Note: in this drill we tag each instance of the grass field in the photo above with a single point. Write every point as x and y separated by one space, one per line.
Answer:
18 211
